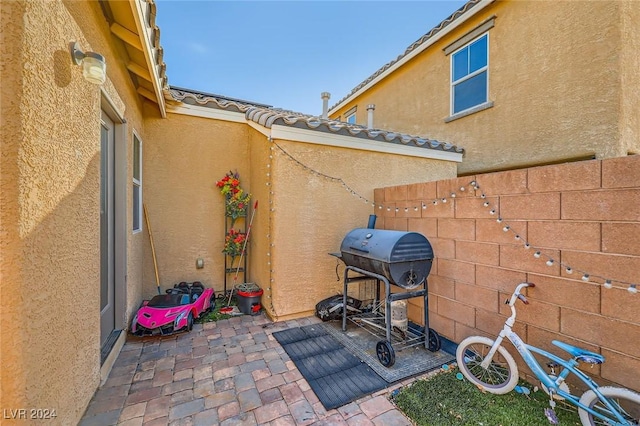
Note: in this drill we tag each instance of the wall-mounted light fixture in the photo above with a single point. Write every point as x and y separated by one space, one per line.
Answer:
94 66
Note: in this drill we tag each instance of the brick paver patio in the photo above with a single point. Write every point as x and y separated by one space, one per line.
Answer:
230 372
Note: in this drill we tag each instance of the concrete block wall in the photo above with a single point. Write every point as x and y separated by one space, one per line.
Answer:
583 215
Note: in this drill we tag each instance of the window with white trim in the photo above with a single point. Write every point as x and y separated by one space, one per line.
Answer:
470 75
137 184
350 115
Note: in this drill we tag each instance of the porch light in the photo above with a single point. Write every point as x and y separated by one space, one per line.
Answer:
94 66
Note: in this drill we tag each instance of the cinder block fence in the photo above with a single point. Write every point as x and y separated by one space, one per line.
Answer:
577 218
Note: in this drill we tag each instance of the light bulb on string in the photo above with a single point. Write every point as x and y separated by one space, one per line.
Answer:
406 209
569 270
537 255
607 284
424 206
527 246
550 262
462 189
435 202
499 220
486 204
453 195
415 209
492 212
633 289
444 200
397 210
585 277
483 196
517 237
506 228
388 209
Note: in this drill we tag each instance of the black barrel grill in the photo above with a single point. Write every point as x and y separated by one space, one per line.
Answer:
404 258
392 257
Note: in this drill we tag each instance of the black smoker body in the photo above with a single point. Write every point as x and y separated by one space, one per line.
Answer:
392 257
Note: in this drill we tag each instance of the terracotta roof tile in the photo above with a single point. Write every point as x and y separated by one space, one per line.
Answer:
268 116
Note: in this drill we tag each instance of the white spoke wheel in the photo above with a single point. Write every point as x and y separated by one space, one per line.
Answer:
627 401
500 377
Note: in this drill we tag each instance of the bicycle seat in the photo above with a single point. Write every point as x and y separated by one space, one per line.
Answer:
580 354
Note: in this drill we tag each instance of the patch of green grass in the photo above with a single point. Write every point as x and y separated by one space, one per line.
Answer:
443 400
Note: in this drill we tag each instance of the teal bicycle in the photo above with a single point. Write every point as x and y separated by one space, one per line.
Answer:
489 366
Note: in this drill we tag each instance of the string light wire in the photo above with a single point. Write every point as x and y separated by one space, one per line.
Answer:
506 227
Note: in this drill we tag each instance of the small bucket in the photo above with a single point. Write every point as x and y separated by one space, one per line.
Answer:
248 296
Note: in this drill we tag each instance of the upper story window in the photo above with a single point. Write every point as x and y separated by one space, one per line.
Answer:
350 116
137 184
470 75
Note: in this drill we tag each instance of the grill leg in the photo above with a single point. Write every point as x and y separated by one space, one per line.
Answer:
387 311
344 300
426 315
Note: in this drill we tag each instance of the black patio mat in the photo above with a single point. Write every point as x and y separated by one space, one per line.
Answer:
336 376
410 362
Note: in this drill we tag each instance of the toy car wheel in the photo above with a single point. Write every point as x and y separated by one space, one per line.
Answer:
190 322
212 304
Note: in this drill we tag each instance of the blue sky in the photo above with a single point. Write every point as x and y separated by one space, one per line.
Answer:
285 53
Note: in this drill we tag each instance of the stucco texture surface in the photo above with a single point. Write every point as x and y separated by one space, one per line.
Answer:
50 210
312 214
184 158
556 77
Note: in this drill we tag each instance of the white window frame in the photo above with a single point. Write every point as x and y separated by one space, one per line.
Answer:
137 183
351 115
482 105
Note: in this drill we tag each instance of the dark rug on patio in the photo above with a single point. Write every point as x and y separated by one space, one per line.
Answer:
336 376
410 361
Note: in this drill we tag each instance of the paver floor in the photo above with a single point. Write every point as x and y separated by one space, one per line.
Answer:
229 372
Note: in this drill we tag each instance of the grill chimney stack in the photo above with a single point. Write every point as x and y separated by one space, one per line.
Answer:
325 104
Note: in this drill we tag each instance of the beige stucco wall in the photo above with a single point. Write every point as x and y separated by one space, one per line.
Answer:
184 157
312 214
630 78
556 76
259 254
50 213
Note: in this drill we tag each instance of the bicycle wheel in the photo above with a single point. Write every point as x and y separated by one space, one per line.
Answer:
502 374
627 401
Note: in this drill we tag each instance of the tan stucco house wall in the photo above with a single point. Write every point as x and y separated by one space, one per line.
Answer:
302 214
562 84
50 205
51 348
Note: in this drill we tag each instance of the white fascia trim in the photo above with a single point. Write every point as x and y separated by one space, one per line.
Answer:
455 24
351 142
259 128
145 34
205 112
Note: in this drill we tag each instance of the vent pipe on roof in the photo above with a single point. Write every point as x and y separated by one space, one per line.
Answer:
370 109
325 104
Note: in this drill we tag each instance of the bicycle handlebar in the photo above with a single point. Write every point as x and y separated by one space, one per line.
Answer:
517 295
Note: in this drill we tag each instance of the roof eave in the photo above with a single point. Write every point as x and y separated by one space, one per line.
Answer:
146 33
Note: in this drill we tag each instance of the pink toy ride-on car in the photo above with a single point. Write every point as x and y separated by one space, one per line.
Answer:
174 311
